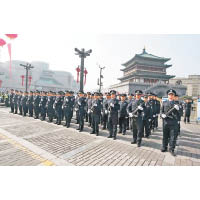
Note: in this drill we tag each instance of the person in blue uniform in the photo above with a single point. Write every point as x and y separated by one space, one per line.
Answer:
15 99
170 116
30 104
58 107
49 105
11 100
24 103
105 110
20 102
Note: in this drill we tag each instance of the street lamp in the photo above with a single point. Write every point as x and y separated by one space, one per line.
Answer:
100 77
82 54
27 67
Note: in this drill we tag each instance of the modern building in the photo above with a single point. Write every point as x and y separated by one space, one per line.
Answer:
147 72
192 83
40 77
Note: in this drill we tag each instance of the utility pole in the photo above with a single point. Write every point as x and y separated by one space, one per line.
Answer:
100 77
27 67
82 54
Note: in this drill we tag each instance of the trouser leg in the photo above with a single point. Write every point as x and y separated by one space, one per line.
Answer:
134 129
165 140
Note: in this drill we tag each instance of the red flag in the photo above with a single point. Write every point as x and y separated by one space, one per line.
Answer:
9 51
22 80
78 71
85 72
0 83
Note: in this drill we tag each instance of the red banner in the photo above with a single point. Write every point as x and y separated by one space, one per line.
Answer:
29 80
9 51
85 72
22 77
78 71
1 83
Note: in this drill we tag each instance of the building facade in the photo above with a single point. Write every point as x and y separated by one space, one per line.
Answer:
192 83
42 78
147 72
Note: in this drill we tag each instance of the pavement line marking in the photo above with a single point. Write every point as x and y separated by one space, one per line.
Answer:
35 150
27 151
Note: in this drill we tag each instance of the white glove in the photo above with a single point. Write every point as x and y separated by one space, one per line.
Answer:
176 107
140 107
79 103
178 122
106 111
101 113
76 109
95 104
163 116
130 114
112 105
89 111
153 115
67 100
149 120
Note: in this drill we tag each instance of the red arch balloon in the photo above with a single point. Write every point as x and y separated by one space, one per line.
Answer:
2 42
11 36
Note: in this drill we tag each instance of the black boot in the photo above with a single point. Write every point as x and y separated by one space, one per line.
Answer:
163 149
133 142
110 136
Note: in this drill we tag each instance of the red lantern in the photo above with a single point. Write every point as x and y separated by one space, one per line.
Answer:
22 77
2 42
78 71
11 36
85 72
0 83
29 80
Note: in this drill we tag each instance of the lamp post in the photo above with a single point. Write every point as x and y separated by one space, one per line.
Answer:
27 67
82 54
100 78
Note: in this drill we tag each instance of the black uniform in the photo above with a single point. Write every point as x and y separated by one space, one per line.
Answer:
187 108
30 105
20 104
96 110
105 113
68 106
50 110
113 108
81 105
157 107
36 104
137 121
24 105
170 124
89 105
43 108
11 99
58 109
147 117
16 103
123 117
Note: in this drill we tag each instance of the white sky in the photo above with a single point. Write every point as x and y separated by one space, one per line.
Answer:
50 31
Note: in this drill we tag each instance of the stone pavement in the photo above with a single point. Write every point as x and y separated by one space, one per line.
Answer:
29 142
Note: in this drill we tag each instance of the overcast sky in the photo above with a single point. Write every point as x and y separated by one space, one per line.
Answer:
109 50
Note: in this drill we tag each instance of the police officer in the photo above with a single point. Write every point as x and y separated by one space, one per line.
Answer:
68 106
123 114
135 110
157 110
49 105
7 99
20 102
129 122
105 110
170 116
96 110
11 97
58 107
24 103
43 103
36 104
81 106
147 117
187 108
88 108
30 104
153 108
113 108
15 99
